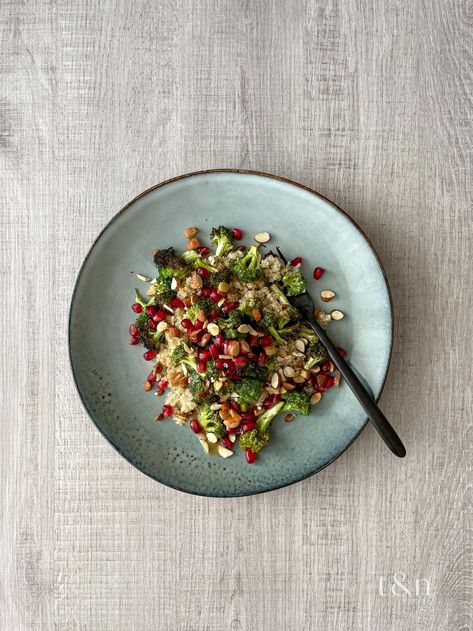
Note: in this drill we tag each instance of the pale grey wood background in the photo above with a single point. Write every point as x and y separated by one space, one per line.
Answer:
370 103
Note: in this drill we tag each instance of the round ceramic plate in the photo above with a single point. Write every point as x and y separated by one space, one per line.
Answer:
110 374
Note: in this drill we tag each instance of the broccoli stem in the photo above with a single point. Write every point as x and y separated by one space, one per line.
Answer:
265 419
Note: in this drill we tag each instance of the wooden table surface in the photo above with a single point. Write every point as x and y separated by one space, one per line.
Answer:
371 104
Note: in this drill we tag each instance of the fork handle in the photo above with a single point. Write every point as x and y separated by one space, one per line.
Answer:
375 415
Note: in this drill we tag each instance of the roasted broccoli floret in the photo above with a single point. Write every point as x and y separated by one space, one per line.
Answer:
169 264
230 324
294 282
222 276
248 390
150 339
254 440
249 306
296 401
181 356
290 312
144 302
248 268
195 383
222 238
253 371
162 289
204 305
272 322
193 258
315 349
210 421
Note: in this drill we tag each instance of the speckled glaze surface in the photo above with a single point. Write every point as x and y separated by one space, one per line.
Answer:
109 373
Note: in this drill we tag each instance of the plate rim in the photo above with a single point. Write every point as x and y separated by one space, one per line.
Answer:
244 172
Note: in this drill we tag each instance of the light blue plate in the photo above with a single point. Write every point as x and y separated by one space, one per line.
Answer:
110 374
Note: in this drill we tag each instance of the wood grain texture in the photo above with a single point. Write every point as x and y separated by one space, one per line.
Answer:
370 103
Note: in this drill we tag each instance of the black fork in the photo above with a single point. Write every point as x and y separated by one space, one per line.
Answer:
305 304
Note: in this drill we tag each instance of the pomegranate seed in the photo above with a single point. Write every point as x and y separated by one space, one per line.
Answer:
204 273
151 377
167 410
219 363
195 426
228 364
219 340
268 403
186 323
253 340
248 416
247 427
133 331
296 261
137 308
213 351
250 456
152 324
215 314
160 316
237 234
134 341
214 295
151 310
230 306
176 302
149 355
330 382
240 360
322 379
232 430
327 364
319 388
206 291
267 340
163 384
341 351
262 359
203 250
201 366
226 442
318 273
235 405
198 325
205 356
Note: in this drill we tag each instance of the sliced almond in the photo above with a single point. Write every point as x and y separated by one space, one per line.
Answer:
213 329
262 237
147 386
211 437
196 281
232 437
315 398
275 380
150 291
205 340
174 284
298 354
336 314
270 350
233 347
243 328
190 232
288 386
256 314
244 346
162 326
223 287
201 315
224 452
145 279
336 379
218 385
298 379
327 295
252 331
289 372
304 374
300 346
173 331
215 406
168 308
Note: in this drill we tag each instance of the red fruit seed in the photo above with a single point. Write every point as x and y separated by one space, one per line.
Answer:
250 456
149 355
201 366
134 341
205 356
329 383
163 384
204 273
206 291
341 351
318 273
214 295
267 340
133 331
160 316
296 261
215 314
137 308
152 324
237 234
176 302
186 323
167 410
195 426
151 310
226 442
151 377
203 250
213 351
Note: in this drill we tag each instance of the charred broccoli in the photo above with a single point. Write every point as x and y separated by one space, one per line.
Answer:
315 349
162 289
210 421
150 339
193 258
222 238
181 356
248 268
202 305
229 325
294 282
248 390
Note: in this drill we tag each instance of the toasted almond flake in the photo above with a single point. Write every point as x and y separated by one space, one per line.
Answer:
195 281
150 291
174 284
262 237
327 295
168 308
289 417
224 452
223 287
256 314
232 437
275 380
213 329
230 423
147 386
315 370
190 232
300 346
315 398
288 386
215 406
298 354
304 374
298 379
201 315
244 346
243 328
233 347
184 369
336 314
289 372
205 445
282 390
225 357
211 437
336 380
221 302
270 350
218 385
145 279
162 326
